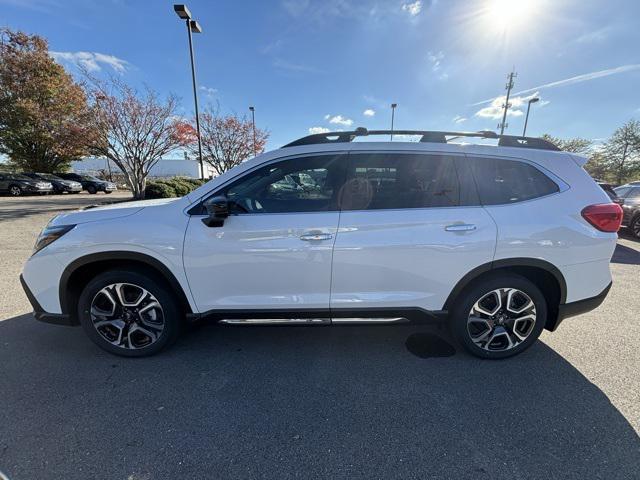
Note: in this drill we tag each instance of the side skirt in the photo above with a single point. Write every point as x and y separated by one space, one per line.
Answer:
339 316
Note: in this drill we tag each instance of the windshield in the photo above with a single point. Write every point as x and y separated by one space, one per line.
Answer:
89 178
47 176
20 177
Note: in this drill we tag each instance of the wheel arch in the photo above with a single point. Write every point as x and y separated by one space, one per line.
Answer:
78 273
547 277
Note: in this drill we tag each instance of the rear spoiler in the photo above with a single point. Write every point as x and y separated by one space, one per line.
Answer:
579 159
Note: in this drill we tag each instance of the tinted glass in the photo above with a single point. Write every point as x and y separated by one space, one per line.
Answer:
307 184
622 191
634 193
507 181
382 181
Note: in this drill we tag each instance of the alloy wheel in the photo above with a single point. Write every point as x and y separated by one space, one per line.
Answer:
15 191
127 316
501 319
635 227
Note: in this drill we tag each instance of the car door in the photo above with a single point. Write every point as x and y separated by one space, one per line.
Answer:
410 228
274 251
3 183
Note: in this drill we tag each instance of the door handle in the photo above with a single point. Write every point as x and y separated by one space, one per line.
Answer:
316 236
460 227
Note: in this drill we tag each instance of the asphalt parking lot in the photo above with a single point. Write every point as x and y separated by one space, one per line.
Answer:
316 402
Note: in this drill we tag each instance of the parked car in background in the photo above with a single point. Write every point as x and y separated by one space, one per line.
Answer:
60 185
89 183
499 241
630 196
610 190
16 184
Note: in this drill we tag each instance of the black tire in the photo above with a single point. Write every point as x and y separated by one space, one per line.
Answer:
92 190
172 314
107 192
461 312
15 191
634 226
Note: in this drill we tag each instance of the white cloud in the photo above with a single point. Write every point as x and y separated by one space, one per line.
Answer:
573 80
92 61
339 120
436 58
294 67
459 119
208 91
518 105
412 9
314 130
595 36
369 112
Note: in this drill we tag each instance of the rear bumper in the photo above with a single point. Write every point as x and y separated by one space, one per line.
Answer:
40 314
572 309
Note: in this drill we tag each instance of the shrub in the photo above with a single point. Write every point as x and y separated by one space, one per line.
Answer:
171 187
159 190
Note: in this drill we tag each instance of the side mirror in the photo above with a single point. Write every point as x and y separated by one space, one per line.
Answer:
217 210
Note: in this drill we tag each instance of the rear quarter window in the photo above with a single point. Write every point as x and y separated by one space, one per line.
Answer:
503 181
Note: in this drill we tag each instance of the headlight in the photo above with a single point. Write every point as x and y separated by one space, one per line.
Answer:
49 235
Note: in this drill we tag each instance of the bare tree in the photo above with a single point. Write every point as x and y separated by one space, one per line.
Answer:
622 151
135 130
228 140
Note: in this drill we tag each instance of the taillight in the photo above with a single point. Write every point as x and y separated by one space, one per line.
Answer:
606 217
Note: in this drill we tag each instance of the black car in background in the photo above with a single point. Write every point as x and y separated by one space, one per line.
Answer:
60 185
630 196
16 184
89 183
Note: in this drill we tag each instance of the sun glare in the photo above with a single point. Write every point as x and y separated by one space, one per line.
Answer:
506 14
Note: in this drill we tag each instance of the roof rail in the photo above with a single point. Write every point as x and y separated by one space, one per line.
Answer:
426 136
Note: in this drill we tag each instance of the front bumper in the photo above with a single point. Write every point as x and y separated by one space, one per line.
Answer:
40 314
573 309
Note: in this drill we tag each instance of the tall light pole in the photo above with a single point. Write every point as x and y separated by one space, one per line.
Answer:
192 27
526 120
393 111
253 123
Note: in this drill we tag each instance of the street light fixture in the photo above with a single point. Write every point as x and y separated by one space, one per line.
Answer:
192 27
253 123
393 111
526 120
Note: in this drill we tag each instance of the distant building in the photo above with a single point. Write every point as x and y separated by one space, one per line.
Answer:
169 167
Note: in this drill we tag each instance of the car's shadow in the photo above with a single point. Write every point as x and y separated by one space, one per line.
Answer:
287 402
625 255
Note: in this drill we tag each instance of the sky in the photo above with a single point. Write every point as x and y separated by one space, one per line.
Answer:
316 65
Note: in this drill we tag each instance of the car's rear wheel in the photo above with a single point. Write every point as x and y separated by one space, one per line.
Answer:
107 191
635 226
15 190
500 316
92 190
129 313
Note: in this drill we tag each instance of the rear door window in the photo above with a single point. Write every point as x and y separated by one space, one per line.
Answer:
379 181
503 181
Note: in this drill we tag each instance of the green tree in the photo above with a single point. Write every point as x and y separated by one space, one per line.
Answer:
44 116
622 152
573 145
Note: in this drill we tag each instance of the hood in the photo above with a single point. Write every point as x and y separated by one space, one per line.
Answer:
108 212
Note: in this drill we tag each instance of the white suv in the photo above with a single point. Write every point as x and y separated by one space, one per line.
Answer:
500 241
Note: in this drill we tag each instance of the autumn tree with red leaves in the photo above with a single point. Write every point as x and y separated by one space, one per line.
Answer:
227 141
44 116
135 130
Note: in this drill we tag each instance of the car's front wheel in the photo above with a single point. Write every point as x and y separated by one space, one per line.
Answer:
129 313
500 316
